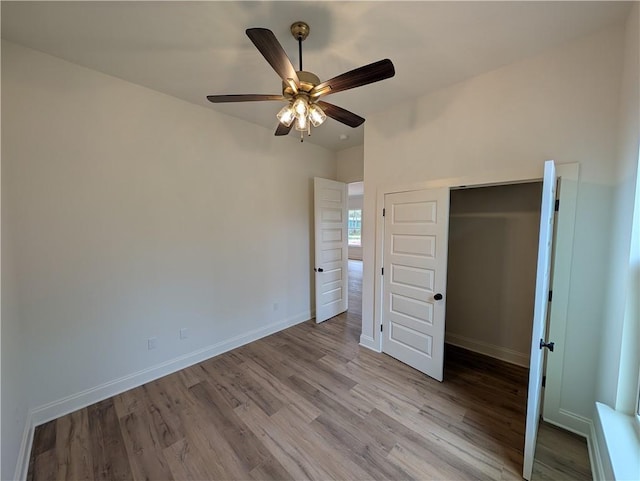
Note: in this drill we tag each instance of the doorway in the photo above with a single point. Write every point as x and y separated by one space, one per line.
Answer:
492 268
355 191
491 273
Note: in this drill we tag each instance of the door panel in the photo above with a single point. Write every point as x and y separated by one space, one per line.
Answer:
415 269
541 301
331 248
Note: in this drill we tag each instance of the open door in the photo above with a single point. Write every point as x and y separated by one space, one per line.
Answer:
416 230
541 301
331 248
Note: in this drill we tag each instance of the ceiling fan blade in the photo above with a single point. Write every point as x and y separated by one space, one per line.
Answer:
268 45
340 114
217 99
373 72
283 129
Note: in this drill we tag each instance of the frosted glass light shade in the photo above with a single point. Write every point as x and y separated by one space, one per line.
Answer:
301 108
302 123
287 115
316 115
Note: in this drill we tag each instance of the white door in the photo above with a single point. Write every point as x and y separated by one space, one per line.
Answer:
541 301
416 228
331 253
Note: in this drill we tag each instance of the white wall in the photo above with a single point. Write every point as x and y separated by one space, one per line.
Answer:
491 272
619 350
562 105
134 214
355 202
350 164
13 356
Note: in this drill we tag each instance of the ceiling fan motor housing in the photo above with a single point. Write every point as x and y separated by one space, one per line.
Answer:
308 80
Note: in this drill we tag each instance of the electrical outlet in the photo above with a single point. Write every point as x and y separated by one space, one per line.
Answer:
184 333
152 343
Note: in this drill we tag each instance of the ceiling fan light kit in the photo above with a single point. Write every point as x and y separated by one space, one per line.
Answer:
303 90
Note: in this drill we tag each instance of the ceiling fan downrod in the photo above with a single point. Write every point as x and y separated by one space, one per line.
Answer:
300 52
300 31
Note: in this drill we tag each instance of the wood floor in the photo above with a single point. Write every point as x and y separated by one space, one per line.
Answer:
305 403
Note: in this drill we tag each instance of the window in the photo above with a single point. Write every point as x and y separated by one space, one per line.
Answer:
355 227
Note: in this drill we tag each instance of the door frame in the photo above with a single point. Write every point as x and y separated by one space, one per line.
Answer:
562 258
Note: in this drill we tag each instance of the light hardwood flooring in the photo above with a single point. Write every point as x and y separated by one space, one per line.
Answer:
560 455
305 403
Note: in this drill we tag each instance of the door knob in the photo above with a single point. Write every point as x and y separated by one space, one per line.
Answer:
548 345
438 296
319 269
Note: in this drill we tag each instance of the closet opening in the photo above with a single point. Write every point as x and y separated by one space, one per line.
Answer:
491 270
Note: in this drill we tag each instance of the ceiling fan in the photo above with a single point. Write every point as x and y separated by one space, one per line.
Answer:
303 90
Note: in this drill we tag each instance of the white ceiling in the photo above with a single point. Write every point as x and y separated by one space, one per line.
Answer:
192 49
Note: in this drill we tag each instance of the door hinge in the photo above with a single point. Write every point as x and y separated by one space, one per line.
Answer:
550 295
384 211
544 381
557 206
382 271
381 327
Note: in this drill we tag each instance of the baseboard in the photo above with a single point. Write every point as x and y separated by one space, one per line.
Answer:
597 468
22 465
576 424
369 343
66 405
498 352
586 430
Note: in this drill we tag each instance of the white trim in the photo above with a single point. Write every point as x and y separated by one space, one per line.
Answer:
368 342
570 422
491 350
584 427
597 469
618 443
68 404
22 465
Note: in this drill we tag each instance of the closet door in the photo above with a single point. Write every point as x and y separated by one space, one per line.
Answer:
416 229
541 302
